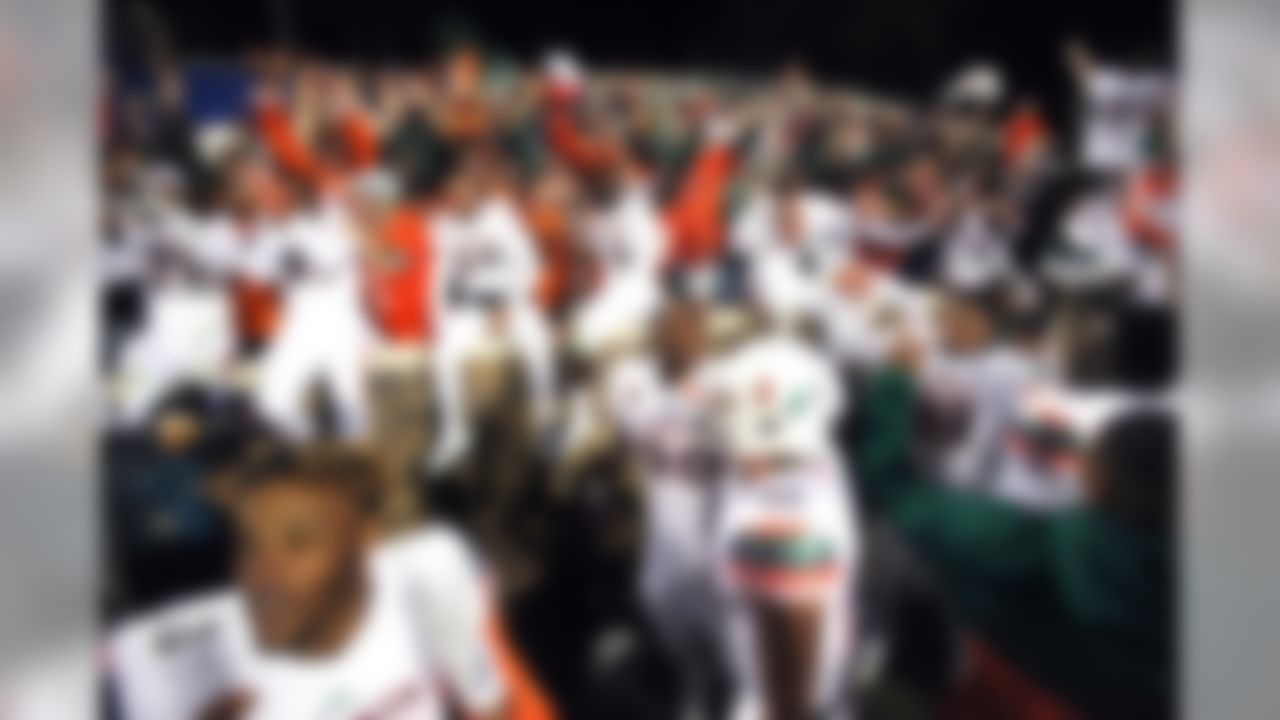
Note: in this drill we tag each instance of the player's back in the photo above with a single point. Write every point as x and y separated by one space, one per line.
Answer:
779 393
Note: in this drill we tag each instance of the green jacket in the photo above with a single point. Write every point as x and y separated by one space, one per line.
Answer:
1079 601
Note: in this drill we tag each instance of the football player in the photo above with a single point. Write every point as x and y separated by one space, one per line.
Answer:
786 545
324 620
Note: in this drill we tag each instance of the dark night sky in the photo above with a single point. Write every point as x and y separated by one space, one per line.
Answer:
902 46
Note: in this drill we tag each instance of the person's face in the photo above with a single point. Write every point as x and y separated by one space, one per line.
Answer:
851 138
788 216
794 85
300 556
555 187
253 186
682 337
371 214
467 189
964 327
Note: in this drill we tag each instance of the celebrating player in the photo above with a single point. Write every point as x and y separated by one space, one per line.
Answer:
324 620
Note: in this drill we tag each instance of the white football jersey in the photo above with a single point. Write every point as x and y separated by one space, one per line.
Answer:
863 324
628 239
1041 464
669 427
788 275
976 252
1120 106
978 394
1044 464
184 247
825 229
779 396
313 256
190 263
313 244
188 333
422 640
629 244
1098 246
487 255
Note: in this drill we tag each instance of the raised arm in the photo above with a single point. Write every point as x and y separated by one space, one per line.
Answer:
280 132
276 129
695 218
579 151
1079 61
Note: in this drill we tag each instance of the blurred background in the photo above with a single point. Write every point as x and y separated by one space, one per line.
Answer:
1003 175
903 48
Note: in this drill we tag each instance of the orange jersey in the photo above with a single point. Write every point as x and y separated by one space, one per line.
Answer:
257 310
398 281
550 228
1025 130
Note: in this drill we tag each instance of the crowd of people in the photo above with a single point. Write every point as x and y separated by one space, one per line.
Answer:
525 391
